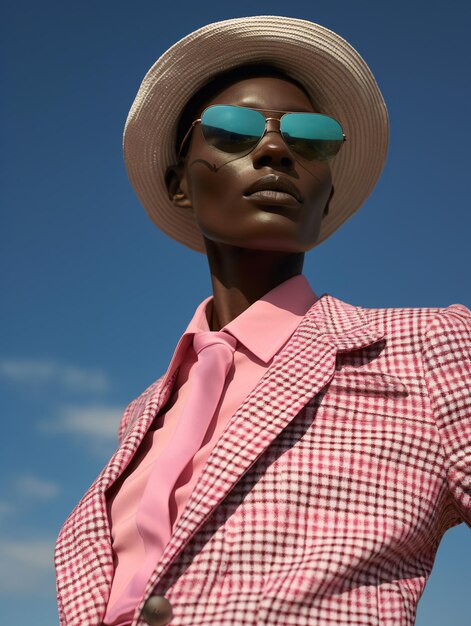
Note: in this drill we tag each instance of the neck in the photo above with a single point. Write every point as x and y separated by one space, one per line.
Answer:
241 276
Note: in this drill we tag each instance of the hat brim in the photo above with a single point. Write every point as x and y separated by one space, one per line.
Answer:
332 71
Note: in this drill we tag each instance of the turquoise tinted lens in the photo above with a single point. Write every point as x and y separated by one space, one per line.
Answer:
231 128
312 135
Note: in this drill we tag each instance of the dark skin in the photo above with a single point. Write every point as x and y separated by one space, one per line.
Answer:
251 247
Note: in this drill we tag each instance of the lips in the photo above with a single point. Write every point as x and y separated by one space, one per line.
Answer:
273 182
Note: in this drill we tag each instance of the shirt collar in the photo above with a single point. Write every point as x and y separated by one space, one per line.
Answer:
267 324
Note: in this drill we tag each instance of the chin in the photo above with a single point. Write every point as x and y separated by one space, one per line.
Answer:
271 245
267 236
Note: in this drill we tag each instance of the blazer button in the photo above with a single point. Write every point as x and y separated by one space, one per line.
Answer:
157 611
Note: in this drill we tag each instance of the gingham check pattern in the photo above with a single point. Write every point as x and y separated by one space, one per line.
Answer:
326 497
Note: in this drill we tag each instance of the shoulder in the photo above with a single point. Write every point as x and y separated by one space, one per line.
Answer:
135 407
404 329
421 322
431 343
447 339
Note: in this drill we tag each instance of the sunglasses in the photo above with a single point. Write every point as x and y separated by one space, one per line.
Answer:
237 130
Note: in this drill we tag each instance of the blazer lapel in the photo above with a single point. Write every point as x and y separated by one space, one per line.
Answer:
299 372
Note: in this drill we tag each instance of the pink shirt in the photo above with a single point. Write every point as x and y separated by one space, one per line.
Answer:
261 332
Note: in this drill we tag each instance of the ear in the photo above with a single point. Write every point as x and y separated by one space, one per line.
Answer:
177 186
326 209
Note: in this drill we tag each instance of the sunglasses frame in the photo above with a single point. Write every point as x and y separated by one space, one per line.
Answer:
266 123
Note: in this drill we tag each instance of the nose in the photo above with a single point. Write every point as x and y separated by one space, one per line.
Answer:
272 147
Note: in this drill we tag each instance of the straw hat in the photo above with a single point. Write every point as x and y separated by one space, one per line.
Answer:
333 73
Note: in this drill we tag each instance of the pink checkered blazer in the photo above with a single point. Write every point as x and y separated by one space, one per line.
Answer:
327 495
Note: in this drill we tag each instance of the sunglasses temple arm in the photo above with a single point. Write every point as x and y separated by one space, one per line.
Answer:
186 136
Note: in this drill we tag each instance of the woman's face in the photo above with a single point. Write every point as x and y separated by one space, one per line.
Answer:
214 184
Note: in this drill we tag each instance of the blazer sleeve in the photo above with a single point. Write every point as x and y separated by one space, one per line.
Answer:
446 355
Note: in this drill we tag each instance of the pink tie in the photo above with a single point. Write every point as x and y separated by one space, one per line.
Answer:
215 350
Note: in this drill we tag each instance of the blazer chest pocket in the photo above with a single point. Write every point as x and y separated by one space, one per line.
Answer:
364 395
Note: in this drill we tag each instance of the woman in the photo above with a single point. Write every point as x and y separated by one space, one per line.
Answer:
301 458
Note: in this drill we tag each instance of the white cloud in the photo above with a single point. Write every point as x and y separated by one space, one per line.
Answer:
26 491
39 372
32 486
26 566
93 422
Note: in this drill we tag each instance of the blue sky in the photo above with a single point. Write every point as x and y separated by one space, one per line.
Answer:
95 298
